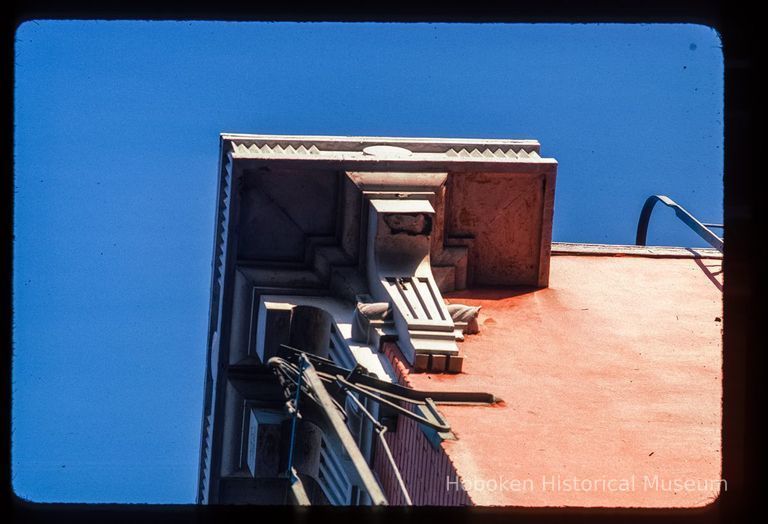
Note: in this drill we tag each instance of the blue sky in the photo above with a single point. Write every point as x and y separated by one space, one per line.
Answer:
116 143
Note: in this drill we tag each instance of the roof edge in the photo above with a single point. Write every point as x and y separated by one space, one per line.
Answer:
617 250
367 138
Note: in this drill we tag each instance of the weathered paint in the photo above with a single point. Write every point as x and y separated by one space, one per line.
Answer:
612 375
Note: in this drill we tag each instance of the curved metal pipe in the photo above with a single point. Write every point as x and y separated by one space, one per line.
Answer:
689 220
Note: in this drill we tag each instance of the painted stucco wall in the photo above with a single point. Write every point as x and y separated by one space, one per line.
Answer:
612 387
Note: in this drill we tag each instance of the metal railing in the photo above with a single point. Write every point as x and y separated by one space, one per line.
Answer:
700 228
305 377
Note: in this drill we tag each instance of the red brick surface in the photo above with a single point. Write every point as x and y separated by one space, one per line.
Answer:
425 469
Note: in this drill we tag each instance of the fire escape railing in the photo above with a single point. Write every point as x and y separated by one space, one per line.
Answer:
700 228
304 378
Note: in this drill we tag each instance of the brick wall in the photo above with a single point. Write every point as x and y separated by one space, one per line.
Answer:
425 470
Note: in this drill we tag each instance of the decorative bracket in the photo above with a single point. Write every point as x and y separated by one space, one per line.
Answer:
399 272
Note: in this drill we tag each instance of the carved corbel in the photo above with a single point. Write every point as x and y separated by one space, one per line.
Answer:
369 316
399 273
465 318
